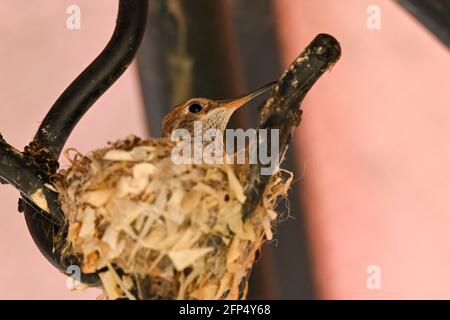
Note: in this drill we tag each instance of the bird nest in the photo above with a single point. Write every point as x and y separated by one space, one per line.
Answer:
153 229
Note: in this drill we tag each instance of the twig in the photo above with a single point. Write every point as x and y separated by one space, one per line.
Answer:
282 110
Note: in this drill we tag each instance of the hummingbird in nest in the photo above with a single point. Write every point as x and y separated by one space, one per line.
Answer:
213 114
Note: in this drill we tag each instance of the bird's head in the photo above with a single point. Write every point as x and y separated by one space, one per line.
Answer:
213 114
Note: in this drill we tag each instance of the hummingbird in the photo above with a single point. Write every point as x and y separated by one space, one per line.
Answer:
213 114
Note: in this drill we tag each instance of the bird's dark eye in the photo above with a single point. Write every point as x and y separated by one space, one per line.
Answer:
195 107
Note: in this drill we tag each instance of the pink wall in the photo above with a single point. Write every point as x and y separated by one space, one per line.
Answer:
375 151
373 140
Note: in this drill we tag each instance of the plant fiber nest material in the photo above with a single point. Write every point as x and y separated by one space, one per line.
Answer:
153 229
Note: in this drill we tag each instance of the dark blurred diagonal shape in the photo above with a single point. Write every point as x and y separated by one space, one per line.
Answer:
186 53
434 14
221 49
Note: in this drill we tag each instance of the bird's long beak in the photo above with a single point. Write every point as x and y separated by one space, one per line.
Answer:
239 102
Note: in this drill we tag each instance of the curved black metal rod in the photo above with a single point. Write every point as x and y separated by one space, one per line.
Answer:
55 129
18 171
282 110
95 79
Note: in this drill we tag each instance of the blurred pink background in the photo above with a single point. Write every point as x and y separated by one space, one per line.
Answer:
373 140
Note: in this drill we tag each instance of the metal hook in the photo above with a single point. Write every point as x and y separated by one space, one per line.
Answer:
82 93
31 170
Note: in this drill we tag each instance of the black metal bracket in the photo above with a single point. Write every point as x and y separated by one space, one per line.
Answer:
30 172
